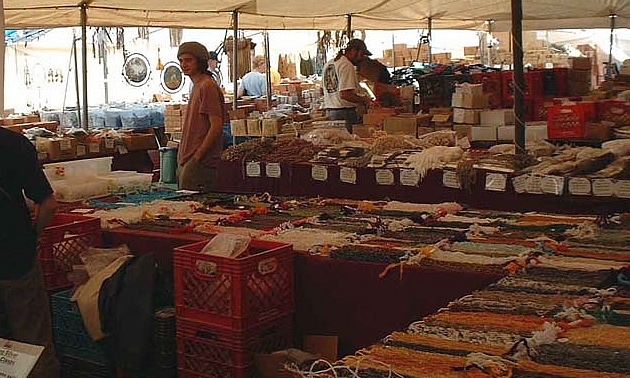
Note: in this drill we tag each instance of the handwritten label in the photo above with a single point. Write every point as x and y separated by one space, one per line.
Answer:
95 148
552 185
622 189
17 358
603 187
450 180
65 144
109 144
579 186
348 175
384 176
273 170
520 183
496 182
253 169
409 177
81 149
533 185
319 173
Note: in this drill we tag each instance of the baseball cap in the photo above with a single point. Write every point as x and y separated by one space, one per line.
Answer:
213 55
195 49
357 44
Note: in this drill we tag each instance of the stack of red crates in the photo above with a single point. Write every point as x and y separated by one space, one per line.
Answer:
228 310
492 87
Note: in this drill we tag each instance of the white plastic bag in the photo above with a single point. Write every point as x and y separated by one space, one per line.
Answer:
227 245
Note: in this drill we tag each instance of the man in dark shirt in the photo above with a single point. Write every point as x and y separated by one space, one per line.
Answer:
24 307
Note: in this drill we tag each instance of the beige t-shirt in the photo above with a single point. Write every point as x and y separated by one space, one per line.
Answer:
206 100
338 75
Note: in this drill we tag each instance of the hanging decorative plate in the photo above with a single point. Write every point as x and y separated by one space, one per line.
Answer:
136 69
172 79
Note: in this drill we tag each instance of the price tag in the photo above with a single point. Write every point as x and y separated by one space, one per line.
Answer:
533 185
409 177
109 144
81 149
450 180
384 176
622 189
65 144
273 170
95 148
496 182
17 359
552 185
579 186
319 173
603 187
348 175
253 169
520 183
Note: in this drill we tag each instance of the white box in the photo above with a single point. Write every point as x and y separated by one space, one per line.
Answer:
469 101
472 89
536 132
462 115
486 133
498 117
506 133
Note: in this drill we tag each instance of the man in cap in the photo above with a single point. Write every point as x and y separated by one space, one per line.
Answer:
213 67
202 132
340 84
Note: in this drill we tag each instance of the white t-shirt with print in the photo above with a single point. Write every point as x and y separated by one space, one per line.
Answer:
338 75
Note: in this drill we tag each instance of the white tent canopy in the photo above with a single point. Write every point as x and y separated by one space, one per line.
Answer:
323 14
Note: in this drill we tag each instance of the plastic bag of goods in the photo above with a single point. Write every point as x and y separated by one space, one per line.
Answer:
227 245
327 136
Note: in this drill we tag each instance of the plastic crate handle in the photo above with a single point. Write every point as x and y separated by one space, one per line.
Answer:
268 266
207 335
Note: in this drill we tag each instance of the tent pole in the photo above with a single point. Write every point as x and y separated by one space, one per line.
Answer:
609 67
268 65
76 78
519 81
2 57
86 126
105 69
235 60
430 54
489 43
349 26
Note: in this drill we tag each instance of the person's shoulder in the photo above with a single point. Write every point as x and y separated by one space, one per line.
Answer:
12 137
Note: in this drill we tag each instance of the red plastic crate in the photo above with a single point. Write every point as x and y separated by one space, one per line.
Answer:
614 111
234 293
218 371
540 107
533 86
202 347
492 87
566 122
562 81
61 243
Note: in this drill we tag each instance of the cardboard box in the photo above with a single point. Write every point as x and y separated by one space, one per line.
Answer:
462 131
471 50
237 114
441 118
462 115
396 125
139 142
406 92
468 101
473 89
487 133
434 111
581 63
238 127
399 61
57 148
398 47
375 118
536 132
388 53
254 127
506 133
498 117
271 126
12 121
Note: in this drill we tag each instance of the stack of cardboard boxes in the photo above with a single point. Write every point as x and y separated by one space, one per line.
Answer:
402 55
580 76
174 117
489 123
468 101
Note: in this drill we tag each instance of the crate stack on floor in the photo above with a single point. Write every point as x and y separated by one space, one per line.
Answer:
229 309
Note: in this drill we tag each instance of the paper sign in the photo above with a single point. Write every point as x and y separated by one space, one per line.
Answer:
95 148
273 170
496 182
450 180
520 183
552 185
17 359
409 177
81 150
533 185
109 144
348 175
253 169
622 189
319 173
65 144
603 187
384 176
579 186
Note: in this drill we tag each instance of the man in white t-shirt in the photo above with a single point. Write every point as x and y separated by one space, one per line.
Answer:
340 84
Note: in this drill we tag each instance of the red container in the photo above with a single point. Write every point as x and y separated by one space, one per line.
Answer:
492 87
61 243
533 86
540 107
234 293
562 81
590 110
566 122
203 348
614 111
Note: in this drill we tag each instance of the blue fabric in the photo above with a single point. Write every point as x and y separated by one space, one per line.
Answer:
254 84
